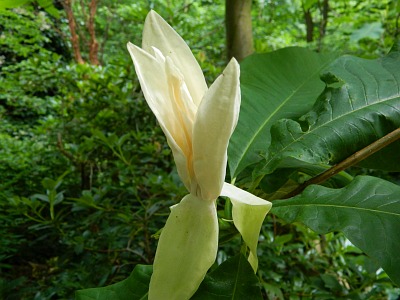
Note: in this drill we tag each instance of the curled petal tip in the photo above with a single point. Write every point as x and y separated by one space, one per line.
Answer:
248 213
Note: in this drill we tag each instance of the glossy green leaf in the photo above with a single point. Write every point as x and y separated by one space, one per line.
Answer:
360 105
281 84
367 211
233 279
135 286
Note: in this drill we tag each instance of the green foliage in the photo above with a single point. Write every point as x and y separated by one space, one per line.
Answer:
358 106
46 4
86 177
288 88
134 287
353 111
297 263
233 279
367 211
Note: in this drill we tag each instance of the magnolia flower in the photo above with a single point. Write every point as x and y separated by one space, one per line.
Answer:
198 122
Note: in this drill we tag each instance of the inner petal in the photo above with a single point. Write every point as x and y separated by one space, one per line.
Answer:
184 111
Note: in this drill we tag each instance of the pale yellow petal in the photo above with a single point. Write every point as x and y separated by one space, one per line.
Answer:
215 121
186 250
248 213
159 34
156 91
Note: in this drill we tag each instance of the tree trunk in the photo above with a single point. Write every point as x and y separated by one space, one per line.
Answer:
309 25
324 22
324 8
239 34
72 28
94 45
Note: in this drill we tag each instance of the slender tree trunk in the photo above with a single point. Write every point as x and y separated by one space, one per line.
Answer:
324 22
324 8
72 28
309 25
93 45
239 34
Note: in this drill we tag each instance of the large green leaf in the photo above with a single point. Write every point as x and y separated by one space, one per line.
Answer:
233 279
367 211
281 84
135 286
360 105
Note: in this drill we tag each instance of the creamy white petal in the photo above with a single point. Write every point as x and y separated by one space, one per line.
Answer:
248 213
186 250
215 121
158 33
154 82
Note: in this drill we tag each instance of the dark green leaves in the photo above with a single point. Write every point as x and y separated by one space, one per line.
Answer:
367 211
134 287
233 279
360 105
280 84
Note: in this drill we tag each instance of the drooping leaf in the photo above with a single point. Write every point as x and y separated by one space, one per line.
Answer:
360 105
234 279
367 211
281 84
135 286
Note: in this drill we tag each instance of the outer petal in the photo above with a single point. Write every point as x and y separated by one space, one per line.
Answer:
158 33
186 250
248 212
215 121
156 90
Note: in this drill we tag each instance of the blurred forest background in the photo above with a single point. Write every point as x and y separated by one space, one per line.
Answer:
86 177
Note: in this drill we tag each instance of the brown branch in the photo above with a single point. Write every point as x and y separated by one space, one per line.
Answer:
94 45
324 20
349 161
72 28
60 146
309 25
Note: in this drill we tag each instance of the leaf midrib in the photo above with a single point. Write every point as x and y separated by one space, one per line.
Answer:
236 279
341 207
381 101
247 148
